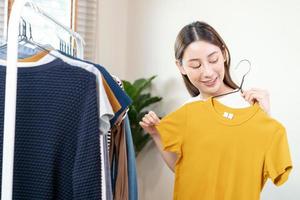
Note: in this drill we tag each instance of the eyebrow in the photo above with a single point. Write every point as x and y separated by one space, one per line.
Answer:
197 59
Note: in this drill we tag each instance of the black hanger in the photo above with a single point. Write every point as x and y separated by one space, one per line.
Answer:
240 88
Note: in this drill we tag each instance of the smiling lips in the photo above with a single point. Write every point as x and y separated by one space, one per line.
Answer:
210 83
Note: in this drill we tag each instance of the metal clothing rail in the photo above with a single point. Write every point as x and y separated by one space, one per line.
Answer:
11 89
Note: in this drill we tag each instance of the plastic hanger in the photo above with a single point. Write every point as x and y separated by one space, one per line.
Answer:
21 37
240 88
25 41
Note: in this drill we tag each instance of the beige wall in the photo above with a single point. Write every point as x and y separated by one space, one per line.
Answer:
111 37
265 32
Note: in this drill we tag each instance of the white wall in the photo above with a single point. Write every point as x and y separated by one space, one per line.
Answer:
265 32
112 26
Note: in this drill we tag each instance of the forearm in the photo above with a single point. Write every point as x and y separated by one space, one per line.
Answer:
169 157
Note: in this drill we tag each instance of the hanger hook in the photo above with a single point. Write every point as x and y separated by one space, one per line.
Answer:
249 69
240 88
244 60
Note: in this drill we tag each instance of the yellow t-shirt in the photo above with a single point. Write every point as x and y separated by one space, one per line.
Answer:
224 153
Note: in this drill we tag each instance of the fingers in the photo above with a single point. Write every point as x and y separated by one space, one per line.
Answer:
258 91
154 117
252 96
143 125
146 120
258 95
150 119
148 123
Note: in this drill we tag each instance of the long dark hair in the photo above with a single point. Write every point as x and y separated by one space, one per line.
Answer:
197 31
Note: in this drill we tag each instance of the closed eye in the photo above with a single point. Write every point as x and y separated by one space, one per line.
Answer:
214 61
194 64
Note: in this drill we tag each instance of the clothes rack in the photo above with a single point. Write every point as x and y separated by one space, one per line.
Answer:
11 88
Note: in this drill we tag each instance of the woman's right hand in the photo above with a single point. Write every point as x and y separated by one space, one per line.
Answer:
148 123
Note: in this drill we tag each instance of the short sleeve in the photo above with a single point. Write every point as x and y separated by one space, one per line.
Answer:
171 129
278 162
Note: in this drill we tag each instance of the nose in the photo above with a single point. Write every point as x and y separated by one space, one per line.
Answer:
207 71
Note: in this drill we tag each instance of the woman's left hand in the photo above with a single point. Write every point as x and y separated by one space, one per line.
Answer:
258 95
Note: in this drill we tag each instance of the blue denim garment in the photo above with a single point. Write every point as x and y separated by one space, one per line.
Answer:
131 163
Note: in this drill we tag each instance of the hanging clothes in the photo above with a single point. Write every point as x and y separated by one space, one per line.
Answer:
105 111
119 163
118 160
112 103
131 162
57 133
123 99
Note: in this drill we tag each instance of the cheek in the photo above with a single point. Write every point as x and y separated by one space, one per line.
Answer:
220 69
193 75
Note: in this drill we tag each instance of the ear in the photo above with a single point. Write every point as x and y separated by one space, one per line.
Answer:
180 67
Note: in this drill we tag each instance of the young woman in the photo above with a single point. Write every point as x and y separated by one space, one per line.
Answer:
213 157
203 59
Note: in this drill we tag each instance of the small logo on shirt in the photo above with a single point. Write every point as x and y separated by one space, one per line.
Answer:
228 115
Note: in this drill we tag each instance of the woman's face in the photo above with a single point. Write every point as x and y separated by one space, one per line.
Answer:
203 63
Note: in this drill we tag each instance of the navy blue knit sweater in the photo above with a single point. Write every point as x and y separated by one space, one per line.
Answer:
57 152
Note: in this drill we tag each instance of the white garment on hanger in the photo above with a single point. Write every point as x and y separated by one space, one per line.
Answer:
234 100
43 61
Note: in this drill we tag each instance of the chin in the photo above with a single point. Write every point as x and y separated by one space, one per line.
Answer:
212 90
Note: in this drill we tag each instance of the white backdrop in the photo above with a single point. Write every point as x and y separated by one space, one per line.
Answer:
265 32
